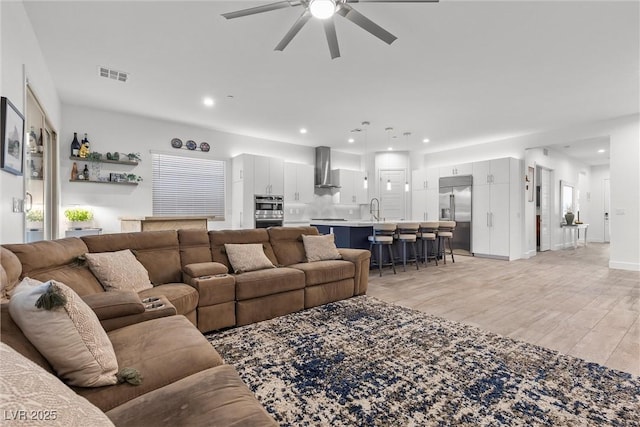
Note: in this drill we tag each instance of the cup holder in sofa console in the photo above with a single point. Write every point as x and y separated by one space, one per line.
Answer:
150 299
154 305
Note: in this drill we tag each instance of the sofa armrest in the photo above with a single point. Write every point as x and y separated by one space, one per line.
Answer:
361 259
118 309
216 289
108 305
200 269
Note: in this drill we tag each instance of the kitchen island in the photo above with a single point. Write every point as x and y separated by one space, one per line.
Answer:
348 234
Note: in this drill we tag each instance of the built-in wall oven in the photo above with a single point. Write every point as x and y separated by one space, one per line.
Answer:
269 210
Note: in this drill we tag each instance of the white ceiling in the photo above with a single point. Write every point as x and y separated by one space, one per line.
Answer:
460 71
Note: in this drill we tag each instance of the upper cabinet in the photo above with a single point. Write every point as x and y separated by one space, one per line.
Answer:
264 175
352 191
425 179
298 183
453 170
491 172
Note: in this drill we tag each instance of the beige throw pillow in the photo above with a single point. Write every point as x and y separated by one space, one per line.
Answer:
119 271
319 248
28 389
68 333
247 257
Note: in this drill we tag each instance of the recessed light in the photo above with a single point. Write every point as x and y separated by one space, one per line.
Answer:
303 130
351 140
390 148
208 101
425 140
602 150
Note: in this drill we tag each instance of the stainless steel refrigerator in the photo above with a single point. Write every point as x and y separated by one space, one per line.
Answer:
455 205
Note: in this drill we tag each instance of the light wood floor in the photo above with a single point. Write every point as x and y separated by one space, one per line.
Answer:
565 300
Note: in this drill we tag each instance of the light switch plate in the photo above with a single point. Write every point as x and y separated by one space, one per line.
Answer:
18 205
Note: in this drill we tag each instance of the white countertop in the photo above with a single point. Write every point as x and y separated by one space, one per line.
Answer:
354 223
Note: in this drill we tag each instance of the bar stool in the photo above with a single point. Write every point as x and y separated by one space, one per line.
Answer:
407 233
445 233
382 235
427 233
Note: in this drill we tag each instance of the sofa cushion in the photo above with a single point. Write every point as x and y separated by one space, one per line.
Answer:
182 296
69 336
163 350
28 389
215 397
10 270
57 260
247 257
158 251
267 282
287 243
194 246
320 248
218 238
318 273
119 271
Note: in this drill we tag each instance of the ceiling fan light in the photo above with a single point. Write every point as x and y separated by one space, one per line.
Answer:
322 9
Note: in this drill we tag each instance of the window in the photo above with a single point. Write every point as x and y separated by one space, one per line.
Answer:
188 186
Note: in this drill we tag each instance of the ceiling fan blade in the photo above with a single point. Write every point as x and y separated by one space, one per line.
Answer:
365 23
259 9
332 38
306 15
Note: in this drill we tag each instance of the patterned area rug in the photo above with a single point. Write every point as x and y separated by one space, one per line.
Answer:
363 362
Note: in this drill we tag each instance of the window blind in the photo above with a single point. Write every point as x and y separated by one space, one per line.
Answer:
188 186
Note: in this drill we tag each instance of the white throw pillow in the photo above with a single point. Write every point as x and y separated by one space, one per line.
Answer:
69 334
247 257
320 248
119 271
29 391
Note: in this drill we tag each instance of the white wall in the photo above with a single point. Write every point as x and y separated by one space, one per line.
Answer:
21 59
110 132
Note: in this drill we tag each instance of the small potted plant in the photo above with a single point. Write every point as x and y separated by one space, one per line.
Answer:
35 219
78 218
134 157
132 177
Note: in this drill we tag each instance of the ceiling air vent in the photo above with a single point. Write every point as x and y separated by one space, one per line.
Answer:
109 73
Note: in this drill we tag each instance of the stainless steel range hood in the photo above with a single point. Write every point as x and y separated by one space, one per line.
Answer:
323 168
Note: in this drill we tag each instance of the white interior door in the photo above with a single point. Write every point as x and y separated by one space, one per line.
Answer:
392 201
606 210
545 210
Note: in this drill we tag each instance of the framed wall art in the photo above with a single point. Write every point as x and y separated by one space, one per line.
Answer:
12 138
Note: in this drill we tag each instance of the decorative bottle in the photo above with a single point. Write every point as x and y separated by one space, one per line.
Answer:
75 145
85 172
85 142
74 171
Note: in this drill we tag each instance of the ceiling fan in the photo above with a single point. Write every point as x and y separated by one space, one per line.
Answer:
325 10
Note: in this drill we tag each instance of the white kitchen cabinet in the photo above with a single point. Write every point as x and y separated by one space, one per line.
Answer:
454 170
496 209
268 175
253 175
298 183
425 179
352 191
491 171
424 205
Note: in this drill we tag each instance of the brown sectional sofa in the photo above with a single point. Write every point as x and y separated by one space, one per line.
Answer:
189 273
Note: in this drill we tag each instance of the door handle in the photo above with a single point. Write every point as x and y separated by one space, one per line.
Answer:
488 219
30 197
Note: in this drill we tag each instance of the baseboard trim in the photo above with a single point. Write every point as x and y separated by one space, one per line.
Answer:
620 265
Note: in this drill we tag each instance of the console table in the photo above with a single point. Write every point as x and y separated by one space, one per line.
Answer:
154 223
574 229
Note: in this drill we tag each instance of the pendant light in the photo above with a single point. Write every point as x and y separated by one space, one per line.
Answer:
365 182
406 182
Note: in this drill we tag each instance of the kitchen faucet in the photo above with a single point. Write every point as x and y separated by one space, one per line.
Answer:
377 214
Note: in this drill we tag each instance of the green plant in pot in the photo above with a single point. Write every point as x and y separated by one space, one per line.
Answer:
35 218
78 217
132 177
